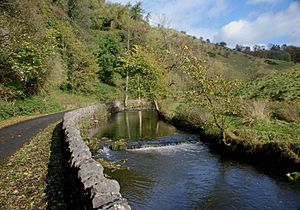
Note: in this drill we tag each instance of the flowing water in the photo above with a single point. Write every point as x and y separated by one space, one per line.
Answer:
171 169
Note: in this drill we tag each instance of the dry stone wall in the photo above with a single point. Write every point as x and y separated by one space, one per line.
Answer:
97 191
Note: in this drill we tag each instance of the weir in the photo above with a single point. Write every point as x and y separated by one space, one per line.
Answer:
165 168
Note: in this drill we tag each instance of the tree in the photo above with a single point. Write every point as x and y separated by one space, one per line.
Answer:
136 11
256 48
247 49
294 52
107 55
87 13
223 44
145 73
238 47
209 92
275 47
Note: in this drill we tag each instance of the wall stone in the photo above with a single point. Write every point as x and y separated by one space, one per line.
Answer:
118 106
96 191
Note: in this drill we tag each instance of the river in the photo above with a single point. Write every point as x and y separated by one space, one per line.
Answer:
172 169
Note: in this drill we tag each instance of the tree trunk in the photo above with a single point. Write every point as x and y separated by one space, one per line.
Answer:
139 91
140 123
126 91
156 105
157 127
127 77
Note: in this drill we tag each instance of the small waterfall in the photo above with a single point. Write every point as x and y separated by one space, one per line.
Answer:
105 151
163 141
168 149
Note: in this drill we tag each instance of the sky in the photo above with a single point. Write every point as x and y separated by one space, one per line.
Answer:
246 22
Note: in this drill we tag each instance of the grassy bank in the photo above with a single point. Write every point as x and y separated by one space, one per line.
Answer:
33 177
265 141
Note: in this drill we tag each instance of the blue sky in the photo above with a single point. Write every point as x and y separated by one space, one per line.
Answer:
245 22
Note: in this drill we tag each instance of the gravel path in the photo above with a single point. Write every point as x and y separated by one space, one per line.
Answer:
14 136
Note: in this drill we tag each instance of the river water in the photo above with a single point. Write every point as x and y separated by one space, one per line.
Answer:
171 169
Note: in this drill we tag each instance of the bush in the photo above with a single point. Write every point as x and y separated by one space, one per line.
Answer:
257 109
286 111
107 93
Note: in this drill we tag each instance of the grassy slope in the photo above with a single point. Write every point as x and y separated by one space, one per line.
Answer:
236 65
281 86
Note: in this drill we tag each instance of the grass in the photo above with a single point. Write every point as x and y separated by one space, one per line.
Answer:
56 100
233 65
265 131
30 106
282 65
256 130
32 177
258 109
283 86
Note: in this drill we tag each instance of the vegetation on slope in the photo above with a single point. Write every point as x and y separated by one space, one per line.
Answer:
77 46
281 87
45 48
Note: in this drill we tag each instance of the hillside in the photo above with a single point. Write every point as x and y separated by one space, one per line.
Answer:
283 86
52 50
231 64
236 65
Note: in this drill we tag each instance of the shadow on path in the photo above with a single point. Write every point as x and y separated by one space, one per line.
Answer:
64 190
56 176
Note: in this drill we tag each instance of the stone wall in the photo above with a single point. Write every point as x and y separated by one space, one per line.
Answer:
92 189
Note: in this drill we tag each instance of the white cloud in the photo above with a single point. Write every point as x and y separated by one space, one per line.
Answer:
265 26
263 1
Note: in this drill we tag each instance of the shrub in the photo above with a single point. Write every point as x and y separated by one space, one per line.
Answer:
107 93
257 109
28 106
286 111
23 61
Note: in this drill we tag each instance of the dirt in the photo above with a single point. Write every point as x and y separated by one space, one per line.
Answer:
14 136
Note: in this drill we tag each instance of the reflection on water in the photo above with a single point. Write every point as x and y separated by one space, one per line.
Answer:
189 176
136 125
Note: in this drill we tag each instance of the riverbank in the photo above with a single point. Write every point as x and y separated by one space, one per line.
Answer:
270 145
